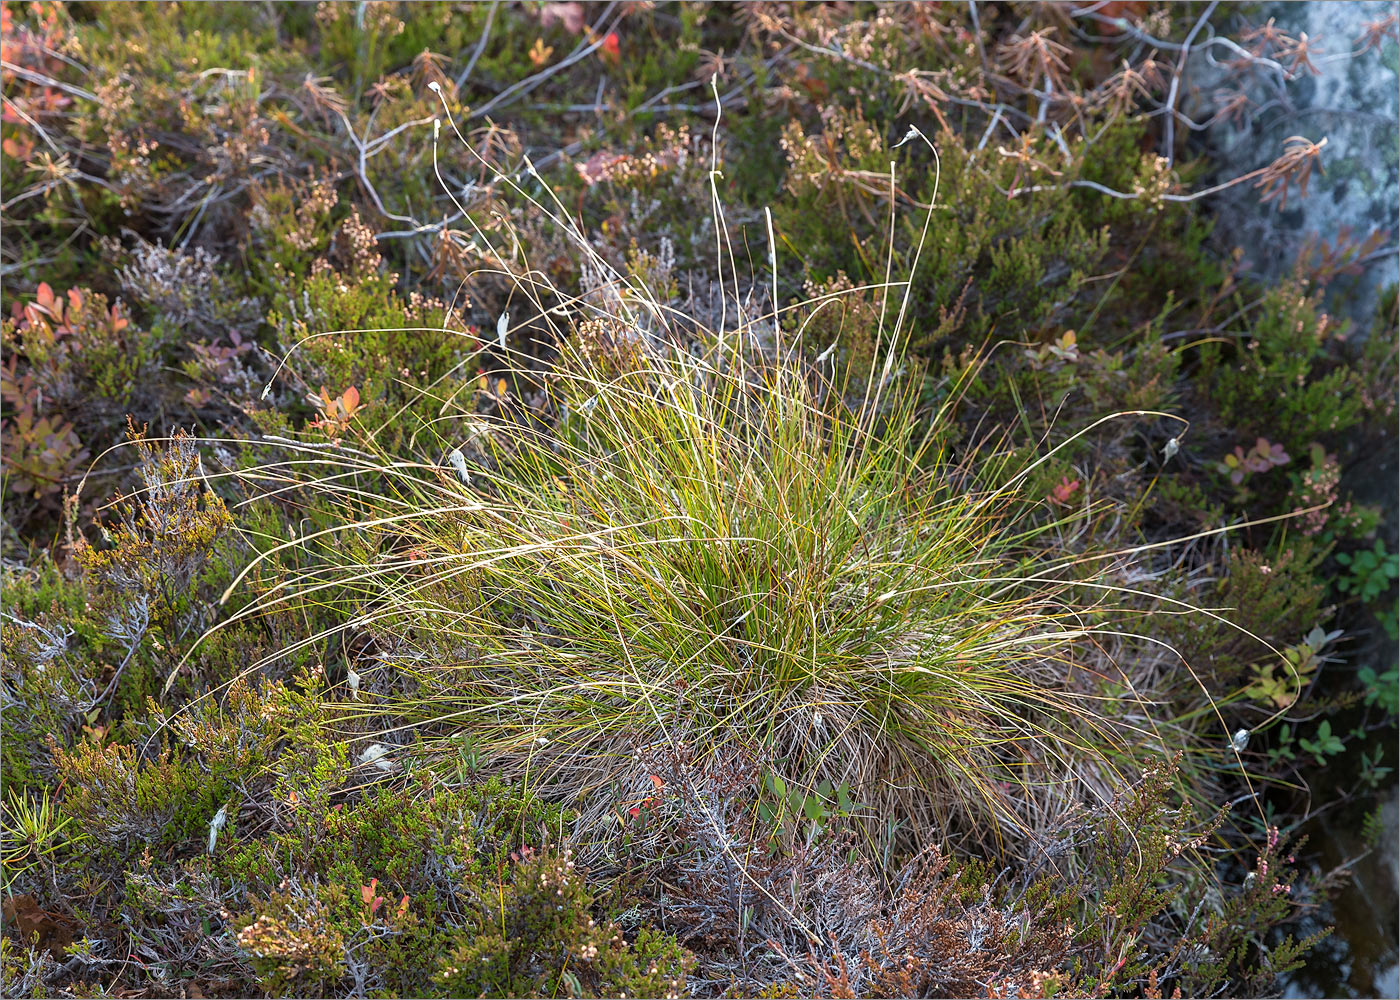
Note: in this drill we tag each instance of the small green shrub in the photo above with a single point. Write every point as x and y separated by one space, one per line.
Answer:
1322 744
536 938
127 802
434 894
1280 383
1381 688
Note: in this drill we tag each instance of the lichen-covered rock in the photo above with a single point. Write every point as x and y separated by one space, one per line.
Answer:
1319 70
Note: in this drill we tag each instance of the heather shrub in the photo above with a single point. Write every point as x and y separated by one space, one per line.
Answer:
424 890
1286 345
343 325
47 693
128 803
1119 902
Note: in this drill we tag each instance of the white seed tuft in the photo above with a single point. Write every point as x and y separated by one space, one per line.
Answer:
913 133
459 465
377 754
216 824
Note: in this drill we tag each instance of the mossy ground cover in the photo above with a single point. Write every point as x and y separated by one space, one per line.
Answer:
547 499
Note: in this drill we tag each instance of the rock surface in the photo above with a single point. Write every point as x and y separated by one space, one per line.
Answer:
1347 90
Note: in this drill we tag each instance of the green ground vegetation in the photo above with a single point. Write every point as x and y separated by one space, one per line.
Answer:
550 499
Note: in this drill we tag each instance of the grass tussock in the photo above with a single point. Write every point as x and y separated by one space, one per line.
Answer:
699 538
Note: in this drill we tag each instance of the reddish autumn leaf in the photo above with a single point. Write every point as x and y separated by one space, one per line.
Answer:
1060 494
608 49
371 900
19 148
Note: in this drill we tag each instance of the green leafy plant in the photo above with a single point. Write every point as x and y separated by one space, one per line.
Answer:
798 816
1284 745
1372 773
1323 744
1281 683
1369 572
1381 689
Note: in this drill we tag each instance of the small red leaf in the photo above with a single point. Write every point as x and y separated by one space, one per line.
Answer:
609 48
1061 493
371 900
